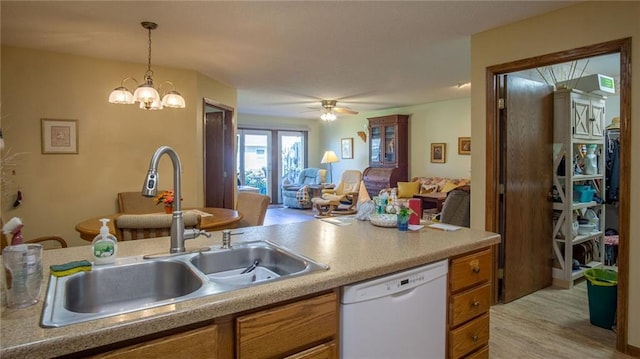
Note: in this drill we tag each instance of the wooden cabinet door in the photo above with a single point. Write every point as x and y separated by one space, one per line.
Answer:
287 329
390 145
597 119
199 343
581 115
375 145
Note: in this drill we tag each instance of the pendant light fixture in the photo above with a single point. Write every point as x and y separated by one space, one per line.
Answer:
146 94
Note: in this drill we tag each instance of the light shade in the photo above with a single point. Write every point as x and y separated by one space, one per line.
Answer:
329 157
146 94
121 95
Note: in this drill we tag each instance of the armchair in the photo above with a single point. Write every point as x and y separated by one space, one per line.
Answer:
296 195
341 200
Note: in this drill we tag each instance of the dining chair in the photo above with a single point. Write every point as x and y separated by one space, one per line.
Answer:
57 242
253 208
140 226
456 209
136 203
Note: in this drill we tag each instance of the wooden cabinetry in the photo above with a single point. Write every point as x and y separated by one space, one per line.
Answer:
388 152
468 308
304 329
193 344
579 184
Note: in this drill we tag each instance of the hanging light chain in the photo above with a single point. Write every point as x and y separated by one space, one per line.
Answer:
149 26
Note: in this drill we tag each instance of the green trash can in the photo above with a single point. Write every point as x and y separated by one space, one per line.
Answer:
602 291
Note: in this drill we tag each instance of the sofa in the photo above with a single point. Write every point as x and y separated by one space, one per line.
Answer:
297 195
424 185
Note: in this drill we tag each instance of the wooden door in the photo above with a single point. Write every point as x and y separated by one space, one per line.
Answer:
219 157
526 132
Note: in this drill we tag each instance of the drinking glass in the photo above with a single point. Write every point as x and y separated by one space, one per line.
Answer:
23 271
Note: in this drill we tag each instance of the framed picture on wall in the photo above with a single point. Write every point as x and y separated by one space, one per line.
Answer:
59 136
438 153
347 147
464 145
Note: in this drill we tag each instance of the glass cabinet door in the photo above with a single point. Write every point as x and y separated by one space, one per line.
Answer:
390 145
376 144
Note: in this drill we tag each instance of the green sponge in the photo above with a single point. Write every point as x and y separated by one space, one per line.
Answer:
61 270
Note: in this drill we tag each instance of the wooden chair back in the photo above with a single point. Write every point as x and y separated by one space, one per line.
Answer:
136 203
139 226
253 208
49 242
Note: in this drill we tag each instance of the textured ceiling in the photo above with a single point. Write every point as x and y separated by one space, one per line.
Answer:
283 57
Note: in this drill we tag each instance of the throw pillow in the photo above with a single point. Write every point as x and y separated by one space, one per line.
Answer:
425 188
408 189
448 187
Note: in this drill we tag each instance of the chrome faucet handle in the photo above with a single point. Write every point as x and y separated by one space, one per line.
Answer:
192 233
226 238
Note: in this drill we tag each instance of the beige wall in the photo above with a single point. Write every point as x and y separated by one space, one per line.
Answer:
291 124
442 121
115 141
579 25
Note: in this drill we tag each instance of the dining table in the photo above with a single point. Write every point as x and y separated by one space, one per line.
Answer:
211 219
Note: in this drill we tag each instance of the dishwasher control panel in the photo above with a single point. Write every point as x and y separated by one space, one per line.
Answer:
394 283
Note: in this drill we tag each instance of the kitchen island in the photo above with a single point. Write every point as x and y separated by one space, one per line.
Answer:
354 252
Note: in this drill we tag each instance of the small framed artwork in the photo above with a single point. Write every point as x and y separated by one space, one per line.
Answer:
438 152
464 145
59 136
347 147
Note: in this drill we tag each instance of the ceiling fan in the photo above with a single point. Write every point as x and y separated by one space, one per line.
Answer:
329 110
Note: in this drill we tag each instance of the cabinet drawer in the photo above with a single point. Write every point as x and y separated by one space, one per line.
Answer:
470 270
287 329
480 354
194 344
322 351
469 337
469 304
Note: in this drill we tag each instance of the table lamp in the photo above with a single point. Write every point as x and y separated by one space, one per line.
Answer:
329 157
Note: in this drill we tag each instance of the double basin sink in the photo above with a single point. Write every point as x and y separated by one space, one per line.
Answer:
133 283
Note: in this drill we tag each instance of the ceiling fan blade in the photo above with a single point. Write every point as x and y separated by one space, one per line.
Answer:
345 110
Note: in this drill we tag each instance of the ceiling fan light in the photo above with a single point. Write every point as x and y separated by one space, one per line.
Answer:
121 95
328 116
173 99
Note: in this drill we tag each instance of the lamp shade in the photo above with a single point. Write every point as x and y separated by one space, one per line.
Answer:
329 157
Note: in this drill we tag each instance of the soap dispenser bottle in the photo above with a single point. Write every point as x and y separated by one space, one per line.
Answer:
105 245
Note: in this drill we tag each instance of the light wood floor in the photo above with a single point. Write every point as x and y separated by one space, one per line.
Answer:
549 324
281 215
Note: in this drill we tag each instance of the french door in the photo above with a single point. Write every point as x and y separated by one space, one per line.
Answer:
268 158
254 160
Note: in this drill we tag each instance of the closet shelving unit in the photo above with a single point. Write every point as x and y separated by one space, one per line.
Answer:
578 122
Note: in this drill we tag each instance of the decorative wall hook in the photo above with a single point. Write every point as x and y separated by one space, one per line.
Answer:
363 136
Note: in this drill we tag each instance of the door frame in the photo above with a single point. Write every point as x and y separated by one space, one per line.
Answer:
227 146
623 47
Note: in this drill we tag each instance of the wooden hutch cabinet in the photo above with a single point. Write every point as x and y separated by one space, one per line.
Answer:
388 153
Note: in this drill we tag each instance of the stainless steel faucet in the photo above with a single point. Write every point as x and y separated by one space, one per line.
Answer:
150 189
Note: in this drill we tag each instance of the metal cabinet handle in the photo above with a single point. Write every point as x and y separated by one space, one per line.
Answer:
475 304
475 338
476 269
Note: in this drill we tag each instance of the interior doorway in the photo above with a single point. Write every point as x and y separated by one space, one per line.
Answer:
219 155
493 188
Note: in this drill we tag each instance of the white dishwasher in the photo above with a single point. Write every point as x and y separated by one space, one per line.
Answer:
401 315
